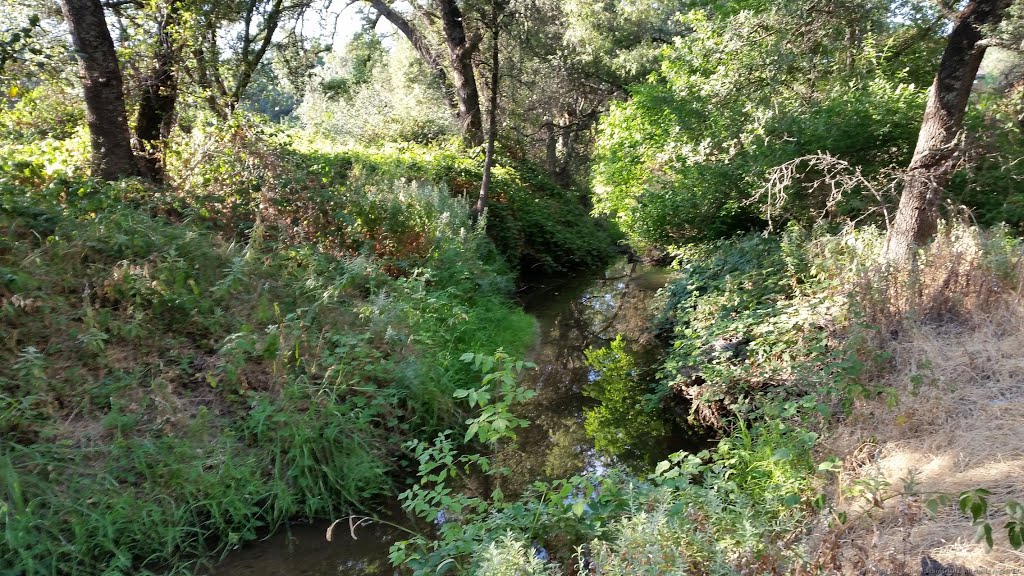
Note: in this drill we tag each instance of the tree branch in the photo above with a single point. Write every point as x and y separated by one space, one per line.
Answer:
119 3
420 44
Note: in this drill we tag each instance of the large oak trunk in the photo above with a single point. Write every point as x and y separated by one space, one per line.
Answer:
936 153
112 156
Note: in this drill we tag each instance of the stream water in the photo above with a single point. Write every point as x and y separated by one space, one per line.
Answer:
572 315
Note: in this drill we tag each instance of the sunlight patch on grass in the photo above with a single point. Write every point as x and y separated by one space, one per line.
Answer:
959 425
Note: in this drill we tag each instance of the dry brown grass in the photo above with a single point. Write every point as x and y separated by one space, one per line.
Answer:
964 274
958 370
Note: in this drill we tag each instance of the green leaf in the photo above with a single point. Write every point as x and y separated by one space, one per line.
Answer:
984 533
1015 509
579 507
1015 531
974 502
662 467
791 500
830 465
471 431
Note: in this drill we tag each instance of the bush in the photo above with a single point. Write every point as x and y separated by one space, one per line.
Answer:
682 161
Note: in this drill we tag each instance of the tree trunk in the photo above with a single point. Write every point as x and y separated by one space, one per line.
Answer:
550 145
112 156
422 47
936 153
206 75
460 51
250 59
159 96
466 101
492 119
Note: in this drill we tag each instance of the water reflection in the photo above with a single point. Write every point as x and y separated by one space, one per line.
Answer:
573 316
303 550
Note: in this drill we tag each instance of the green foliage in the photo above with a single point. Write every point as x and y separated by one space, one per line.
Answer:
991 184
716 512
768 342
497 393
433 497
748 324
511 556
16 40
683 160
974 503
370 96
187 371
344 199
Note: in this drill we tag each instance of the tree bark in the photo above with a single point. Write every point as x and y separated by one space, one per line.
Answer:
936 154
460 51
159 96
112 156
465 102
492 119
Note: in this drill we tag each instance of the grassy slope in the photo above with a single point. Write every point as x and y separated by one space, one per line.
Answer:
918 371
184 368
956 421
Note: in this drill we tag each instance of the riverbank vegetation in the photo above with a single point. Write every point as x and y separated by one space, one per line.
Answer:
188 375
248 276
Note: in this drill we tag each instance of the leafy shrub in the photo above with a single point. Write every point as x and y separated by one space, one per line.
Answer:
715 513
51 111
683 159
991 181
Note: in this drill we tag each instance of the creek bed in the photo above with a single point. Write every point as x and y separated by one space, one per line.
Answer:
573 314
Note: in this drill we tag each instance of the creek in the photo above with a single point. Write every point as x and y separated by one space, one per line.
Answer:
573 314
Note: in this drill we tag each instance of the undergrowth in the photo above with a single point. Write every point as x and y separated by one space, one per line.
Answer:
536 226
185 368
773 340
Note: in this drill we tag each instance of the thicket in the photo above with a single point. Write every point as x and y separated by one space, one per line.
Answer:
773 339
699 152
